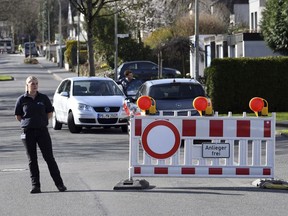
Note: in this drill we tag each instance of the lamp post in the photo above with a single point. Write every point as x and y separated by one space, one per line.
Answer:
60 36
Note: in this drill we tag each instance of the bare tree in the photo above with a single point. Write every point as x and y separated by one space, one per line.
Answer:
91 10
25 18
154 14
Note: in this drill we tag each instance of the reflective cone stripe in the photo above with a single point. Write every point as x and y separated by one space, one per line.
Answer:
218 128
202 171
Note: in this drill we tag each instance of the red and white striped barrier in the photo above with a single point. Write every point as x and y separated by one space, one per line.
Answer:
227 146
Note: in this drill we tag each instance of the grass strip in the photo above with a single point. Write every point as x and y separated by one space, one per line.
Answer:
5 78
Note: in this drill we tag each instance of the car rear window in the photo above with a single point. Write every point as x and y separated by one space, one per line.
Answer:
176 91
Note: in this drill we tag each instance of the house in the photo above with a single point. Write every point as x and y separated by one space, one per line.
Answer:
76 29
240 13
6 39
246 44
255 9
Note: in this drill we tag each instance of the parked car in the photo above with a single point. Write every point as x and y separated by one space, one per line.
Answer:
89 102
173 95
145 70
32 46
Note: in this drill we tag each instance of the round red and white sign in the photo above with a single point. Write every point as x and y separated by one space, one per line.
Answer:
161 139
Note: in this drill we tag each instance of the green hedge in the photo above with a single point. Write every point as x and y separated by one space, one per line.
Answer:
232 82
71 53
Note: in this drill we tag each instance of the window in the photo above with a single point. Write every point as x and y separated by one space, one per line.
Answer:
95 88
146 65
62 86
176 91
252 21
256 22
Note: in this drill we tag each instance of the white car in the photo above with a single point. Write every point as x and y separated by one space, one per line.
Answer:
89 102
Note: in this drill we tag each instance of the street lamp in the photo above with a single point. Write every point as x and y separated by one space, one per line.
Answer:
60 36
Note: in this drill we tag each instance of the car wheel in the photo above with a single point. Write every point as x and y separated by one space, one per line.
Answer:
56 124
71 124
124 128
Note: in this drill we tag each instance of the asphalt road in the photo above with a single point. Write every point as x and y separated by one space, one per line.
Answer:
93 162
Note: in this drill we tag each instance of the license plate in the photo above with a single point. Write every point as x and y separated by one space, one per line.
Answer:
215 150
108 115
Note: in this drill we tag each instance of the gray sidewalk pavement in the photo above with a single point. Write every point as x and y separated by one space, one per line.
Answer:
53 68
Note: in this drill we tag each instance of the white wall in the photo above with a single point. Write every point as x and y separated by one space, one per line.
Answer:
201 56
257 49
255 7
241 13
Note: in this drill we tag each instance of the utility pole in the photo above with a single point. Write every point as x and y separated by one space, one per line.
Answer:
78 43
196 37
60 36
48 14
116 42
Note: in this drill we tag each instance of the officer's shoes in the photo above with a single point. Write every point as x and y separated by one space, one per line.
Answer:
61 188
35 190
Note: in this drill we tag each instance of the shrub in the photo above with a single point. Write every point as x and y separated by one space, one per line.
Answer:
30 61
70 54
232 82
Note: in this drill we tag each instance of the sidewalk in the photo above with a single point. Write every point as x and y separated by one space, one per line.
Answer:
53 68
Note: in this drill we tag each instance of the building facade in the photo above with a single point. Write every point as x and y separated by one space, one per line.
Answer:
6 39
247 44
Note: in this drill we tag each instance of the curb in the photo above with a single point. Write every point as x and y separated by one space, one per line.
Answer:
282 124
57 77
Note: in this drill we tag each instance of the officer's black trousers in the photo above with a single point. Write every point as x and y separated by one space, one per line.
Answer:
41 137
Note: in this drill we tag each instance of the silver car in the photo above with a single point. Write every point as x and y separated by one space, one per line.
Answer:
89 102
173 95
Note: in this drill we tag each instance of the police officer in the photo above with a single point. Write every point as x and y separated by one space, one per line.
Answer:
33 110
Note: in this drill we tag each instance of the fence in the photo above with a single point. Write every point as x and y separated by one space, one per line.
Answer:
202 146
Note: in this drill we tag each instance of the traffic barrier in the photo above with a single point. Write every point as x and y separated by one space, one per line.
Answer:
229 146
201 146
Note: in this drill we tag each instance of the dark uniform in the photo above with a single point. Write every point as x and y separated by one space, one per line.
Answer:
125 84
34 125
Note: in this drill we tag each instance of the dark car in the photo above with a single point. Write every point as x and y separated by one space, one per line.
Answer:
145 70
173 95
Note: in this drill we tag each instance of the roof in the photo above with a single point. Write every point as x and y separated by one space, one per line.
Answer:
171 80
88 78
137 61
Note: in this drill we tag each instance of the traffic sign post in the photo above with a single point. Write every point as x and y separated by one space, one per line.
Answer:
122 35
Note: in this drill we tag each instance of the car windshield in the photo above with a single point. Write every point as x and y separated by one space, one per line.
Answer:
176 91
96 88
134 85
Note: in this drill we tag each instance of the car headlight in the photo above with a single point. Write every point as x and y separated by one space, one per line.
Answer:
84 107
178 72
